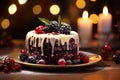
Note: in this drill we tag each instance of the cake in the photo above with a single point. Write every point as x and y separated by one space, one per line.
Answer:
53 43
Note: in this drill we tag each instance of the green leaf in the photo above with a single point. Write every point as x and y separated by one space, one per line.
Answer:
59 20
44 20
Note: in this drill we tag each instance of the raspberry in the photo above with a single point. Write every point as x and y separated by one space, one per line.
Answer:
65 28
39 29
84 59
61 61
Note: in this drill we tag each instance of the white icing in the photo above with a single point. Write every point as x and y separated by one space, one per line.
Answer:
63 38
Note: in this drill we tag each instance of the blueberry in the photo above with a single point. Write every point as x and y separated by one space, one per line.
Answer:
23 57
31 59
116 58
65 28
46 29
76 61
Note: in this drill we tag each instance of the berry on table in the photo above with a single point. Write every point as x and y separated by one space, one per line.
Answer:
65 28
61 61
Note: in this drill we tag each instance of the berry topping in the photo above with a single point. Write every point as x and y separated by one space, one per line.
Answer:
23 51
61 61
107 47
68 62
41 61
65 28
84 58
54 27
76 61
31 59
46 29
17 68
23 57
116 58
39 29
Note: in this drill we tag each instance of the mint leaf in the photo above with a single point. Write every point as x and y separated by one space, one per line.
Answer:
44 20
59 20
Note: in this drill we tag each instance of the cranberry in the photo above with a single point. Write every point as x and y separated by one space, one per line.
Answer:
11 61
61 61
39 29
107 47
17 67
85 59
6 70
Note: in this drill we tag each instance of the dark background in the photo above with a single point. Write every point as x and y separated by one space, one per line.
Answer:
24 20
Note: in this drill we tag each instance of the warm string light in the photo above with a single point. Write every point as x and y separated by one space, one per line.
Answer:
37 9
54 9
12 9
5 23
21 2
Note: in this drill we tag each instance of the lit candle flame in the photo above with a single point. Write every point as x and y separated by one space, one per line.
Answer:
85 14
105 10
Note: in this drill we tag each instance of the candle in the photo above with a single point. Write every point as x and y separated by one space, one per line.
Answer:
105 21
84 27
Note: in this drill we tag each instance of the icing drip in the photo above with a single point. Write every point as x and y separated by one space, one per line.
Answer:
61 38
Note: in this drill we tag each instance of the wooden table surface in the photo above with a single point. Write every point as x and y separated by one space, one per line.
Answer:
103 70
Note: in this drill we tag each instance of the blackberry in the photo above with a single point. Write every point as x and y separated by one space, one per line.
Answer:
23 57
65 28
116 58
54 27
46 29
31 59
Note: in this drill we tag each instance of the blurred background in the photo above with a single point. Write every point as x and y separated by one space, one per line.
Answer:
17 17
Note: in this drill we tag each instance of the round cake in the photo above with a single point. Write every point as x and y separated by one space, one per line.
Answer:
52 44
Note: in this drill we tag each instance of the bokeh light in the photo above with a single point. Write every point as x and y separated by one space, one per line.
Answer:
94 18
37 9
12 9
81 4
21 2
93 0
54 9
5 23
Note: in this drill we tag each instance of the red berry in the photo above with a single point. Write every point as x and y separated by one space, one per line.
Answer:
17 68
107 48
117 52
85 59
39 29
11 61
61 61
6 70
77 57
41 61
23 51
